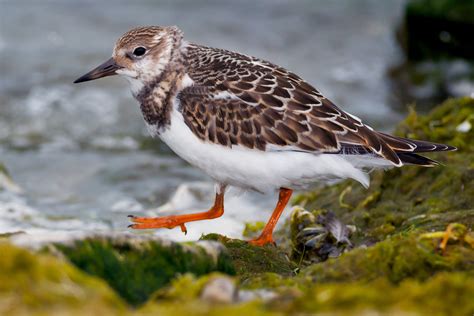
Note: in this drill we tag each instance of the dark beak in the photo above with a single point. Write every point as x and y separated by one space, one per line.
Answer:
106 69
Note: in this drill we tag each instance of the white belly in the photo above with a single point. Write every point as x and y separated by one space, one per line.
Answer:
255 169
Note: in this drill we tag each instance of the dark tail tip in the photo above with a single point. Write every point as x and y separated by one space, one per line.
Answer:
415 159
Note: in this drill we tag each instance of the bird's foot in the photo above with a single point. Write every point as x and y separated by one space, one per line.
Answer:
158 222
262 240
266 237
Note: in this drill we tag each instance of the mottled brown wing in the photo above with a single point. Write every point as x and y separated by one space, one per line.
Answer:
232 121
241 100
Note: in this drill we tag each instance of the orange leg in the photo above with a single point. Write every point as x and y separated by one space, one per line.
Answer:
179 220
266 235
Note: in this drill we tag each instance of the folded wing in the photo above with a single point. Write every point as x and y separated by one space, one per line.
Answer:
241 100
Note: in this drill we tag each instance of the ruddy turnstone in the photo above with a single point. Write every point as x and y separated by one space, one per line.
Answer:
246 122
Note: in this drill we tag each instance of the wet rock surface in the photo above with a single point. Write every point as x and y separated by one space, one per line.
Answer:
346 250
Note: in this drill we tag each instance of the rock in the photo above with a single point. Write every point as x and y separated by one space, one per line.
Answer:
265 295
219 290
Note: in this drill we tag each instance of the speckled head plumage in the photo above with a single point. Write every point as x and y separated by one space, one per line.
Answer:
144 52
141 53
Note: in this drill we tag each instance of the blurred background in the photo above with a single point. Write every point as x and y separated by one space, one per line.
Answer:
79 155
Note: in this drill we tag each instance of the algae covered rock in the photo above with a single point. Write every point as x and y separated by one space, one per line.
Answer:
41 284
250 260
137 266
394 259
443 294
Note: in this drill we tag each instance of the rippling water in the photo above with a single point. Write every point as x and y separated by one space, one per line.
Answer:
76 150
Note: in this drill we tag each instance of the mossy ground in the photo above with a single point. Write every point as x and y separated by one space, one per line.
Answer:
249 260
394 267
41 284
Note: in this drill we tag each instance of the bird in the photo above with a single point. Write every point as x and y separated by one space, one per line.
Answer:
246 122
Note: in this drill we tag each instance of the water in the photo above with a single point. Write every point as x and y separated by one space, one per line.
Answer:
76 150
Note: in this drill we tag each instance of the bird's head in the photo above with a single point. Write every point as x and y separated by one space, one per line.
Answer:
140 55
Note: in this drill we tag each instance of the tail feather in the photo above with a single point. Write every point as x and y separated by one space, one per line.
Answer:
415 159
400 144
398 150
406 149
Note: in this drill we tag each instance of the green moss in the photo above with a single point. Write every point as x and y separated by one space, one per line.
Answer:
273 281
395 259
183 288
41 284
250 260
136 268
196 307
444 294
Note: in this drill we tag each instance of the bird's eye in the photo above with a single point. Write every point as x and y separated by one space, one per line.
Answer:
139 51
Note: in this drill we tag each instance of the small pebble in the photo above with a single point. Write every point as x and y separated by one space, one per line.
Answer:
219 290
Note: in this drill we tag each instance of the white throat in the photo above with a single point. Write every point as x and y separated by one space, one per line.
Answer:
136 85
